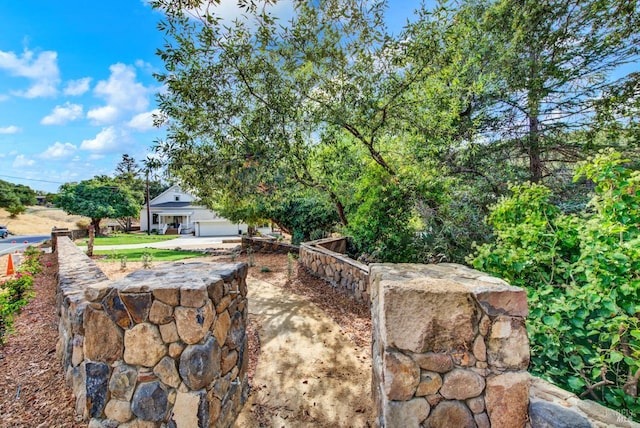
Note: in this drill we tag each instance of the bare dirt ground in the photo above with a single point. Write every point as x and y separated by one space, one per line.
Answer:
33 392
38 221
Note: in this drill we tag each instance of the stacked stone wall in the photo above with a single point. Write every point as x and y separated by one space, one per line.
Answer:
268 246
450 347
322 259
158 348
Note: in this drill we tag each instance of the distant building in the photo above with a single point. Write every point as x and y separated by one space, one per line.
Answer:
174 212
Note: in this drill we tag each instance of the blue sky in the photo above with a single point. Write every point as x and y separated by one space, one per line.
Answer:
77 88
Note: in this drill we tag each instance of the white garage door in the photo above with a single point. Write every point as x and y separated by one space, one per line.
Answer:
218 229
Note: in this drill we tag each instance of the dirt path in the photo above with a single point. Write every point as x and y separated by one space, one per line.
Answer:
310 373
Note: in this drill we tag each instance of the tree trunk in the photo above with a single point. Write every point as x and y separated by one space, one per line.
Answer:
95 222
92 236
339 208
535 160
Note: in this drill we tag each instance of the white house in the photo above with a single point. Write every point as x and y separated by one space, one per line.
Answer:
174 212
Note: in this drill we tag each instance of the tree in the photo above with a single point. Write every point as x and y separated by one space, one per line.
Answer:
97 198
126 173
15 197
127 168
548 64
257 109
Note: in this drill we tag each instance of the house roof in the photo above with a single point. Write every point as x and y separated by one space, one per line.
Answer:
172 205
173 189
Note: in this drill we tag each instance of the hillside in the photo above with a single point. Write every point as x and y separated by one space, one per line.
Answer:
38 221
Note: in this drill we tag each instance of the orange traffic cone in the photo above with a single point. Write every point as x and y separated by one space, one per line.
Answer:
10 266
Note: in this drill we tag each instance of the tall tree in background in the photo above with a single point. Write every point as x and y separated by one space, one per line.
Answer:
127 173
550 62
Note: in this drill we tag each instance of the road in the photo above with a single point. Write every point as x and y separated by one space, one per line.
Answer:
13 243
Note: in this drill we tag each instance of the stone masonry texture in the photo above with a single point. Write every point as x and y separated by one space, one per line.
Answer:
159 347
449 347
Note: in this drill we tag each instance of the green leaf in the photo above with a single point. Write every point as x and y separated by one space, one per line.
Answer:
576 383
615 357
552 320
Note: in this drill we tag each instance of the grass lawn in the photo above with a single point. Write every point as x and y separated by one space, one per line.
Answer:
158 255
128 238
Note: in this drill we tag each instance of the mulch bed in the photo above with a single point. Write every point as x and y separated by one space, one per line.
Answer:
33 392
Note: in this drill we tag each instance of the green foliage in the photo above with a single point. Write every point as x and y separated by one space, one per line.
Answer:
290 264
15 292
582 276
265 269
147 258
98 198
15 210
381 224
16 195
489 91
304 215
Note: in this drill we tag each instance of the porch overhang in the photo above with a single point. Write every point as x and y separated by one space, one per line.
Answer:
177 213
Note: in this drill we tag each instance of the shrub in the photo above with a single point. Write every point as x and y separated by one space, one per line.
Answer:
582 275
15 210
83 224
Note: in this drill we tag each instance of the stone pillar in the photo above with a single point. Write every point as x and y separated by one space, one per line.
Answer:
159 347
450 347
55 233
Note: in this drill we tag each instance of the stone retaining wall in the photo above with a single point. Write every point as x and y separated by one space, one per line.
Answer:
450 347
163 347
267 245
325 258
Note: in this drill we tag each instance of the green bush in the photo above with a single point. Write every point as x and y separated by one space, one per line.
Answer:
381 225
306 214
582 275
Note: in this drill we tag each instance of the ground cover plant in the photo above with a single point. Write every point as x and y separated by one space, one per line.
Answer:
582 275
15 292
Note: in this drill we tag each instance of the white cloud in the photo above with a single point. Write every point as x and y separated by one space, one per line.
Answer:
122 93
21 161
58 151
145 66
95 157
77 87
11 129
108 140
63 114
143 121
228 10
41 69
102 115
